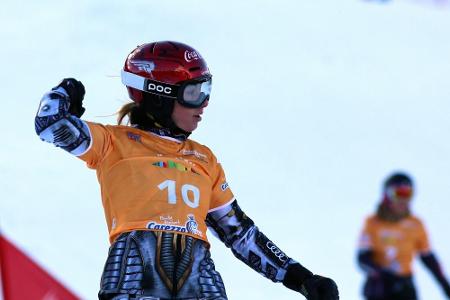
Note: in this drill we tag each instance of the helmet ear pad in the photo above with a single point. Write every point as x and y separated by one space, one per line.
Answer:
158 109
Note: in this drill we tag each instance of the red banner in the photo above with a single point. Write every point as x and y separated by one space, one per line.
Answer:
22 278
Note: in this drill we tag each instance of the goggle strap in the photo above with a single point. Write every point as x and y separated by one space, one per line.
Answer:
148 85
133 80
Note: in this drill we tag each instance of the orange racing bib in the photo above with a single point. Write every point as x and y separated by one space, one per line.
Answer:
154 183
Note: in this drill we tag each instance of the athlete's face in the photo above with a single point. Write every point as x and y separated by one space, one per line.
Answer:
400 196
187 118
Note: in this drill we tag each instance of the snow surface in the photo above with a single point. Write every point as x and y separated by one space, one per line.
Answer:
314 103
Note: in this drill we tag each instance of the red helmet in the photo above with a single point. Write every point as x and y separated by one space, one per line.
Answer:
168 69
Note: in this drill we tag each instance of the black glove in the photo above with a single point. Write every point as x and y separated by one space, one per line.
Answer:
313 287
75 90
320 288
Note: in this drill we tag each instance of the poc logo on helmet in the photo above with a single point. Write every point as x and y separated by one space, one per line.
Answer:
191 55
152 87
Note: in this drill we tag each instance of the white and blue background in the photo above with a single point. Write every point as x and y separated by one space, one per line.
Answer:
313 104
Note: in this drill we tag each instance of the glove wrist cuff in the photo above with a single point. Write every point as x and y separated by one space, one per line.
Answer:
295 277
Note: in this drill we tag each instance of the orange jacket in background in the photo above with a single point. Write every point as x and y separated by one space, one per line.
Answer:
394 244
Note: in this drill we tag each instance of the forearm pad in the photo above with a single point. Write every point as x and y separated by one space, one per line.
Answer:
238 232
54 124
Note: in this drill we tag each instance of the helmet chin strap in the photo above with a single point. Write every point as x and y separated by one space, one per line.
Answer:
158 117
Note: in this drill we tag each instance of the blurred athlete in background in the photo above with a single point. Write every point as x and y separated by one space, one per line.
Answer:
390 240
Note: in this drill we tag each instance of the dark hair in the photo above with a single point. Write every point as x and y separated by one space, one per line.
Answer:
398 178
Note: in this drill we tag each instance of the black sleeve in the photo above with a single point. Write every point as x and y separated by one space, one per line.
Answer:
238 232
432 264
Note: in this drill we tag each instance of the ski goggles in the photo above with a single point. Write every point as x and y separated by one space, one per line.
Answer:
190 93
400 192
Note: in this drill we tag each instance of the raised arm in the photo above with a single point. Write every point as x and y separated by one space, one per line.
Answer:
238 232
57 120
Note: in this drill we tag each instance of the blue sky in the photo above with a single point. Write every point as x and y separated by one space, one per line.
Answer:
314 103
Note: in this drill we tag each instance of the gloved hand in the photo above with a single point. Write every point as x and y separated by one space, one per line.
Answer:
313 287
76 91
319 288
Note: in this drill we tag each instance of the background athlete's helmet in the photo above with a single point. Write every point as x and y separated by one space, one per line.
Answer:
397 195
163 69
398 179
398 185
